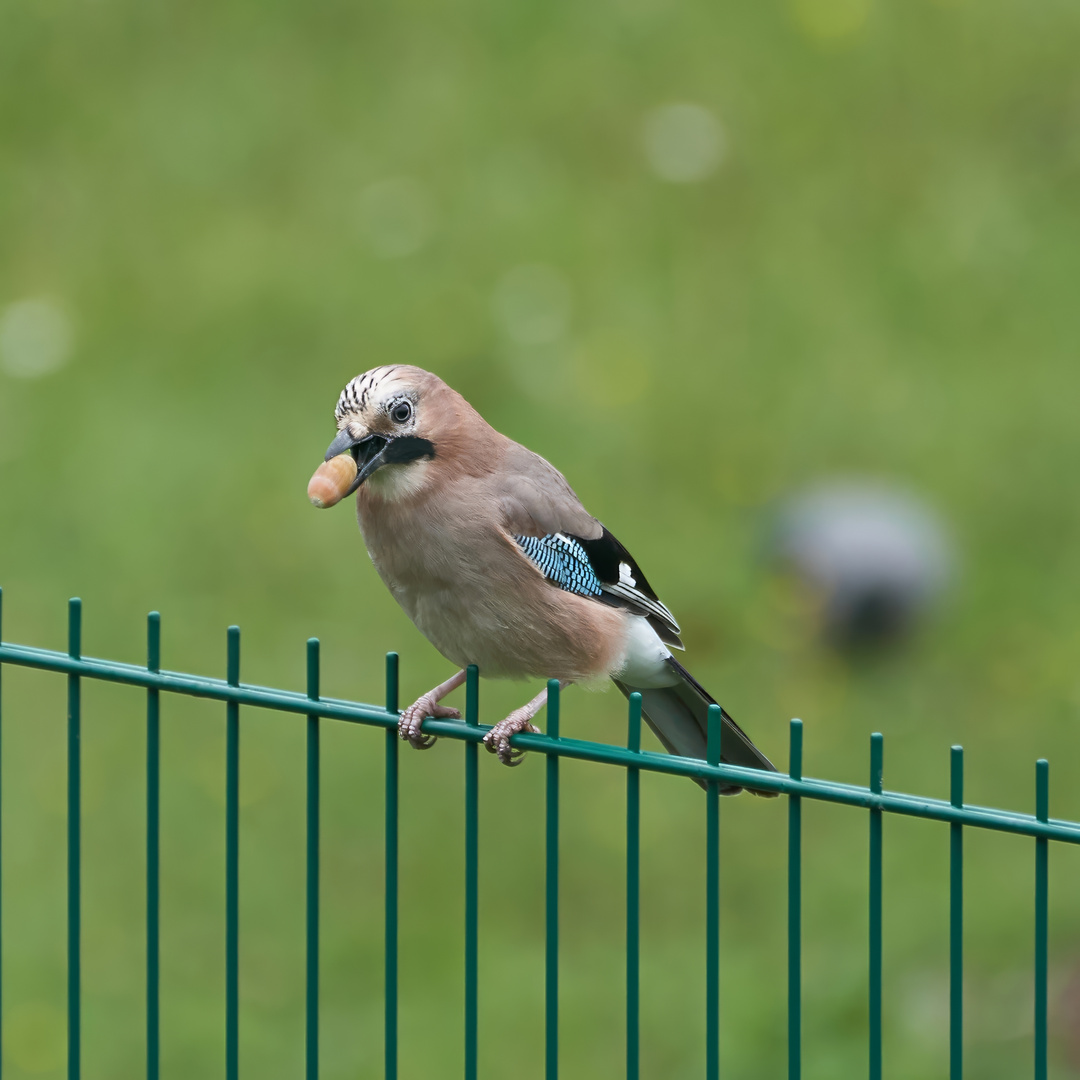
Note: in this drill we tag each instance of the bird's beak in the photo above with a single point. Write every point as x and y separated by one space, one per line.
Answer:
368 452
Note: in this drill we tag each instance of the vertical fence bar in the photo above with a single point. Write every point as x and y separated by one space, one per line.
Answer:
956 919
232 862
1042 875
551 996
712 901
1 847
153 852
472 828
74 845
795 907
877 746
390 920
633 894
313 842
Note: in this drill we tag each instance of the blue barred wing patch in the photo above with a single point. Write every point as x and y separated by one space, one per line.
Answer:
563 561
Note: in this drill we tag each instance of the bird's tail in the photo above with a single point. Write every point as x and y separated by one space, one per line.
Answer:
678 714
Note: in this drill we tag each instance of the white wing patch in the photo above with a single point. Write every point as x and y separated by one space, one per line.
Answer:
626 587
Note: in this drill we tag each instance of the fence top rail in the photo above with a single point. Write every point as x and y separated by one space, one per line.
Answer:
356 712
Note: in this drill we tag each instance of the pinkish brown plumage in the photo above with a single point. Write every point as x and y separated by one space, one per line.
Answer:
491 554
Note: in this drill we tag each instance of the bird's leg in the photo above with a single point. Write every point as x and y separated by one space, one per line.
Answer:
497 740
428 705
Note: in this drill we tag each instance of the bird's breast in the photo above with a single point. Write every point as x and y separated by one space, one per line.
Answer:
478 600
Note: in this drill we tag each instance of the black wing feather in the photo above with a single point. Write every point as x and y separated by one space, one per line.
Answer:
624 585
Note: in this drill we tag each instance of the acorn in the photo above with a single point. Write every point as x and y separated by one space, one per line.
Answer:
332 481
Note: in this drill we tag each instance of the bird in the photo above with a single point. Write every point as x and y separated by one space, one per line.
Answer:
874 559
493 557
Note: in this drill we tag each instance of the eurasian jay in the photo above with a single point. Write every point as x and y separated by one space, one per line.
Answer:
493 557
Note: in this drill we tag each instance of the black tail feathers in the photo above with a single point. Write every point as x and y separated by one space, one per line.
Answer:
678 715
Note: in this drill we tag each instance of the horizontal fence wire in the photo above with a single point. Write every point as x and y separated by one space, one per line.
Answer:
712 772
889 802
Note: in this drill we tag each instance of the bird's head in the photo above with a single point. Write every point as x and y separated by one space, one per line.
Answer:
391 420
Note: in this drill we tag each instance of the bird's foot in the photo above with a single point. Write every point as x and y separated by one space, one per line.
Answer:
497 740
409 726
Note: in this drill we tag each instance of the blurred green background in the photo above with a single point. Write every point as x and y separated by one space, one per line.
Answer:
697 255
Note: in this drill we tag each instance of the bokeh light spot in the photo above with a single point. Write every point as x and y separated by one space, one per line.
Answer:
830 20
35 338
397 217
684 143
532 304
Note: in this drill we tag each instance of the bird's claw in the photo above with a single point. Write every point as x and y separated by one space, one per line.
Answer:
412 719
497 740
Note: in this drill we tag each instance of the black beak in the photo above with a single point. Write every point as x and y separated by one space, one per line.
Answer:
368 453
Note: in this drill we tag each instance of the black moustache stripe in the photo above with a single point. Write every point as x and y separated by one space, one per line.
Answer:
407 448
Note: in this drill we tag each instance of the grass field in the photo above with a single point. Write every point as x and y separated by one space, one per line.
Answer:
857 256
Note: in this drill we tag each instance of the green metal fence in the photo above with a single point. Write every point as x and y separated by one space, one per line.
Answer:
876 801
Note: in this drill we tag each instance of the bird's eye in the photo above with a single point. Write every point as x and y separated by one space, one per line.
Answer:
401 412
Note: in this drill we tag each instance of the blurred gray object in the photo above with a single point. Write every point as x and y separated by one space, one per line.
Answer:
876 558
